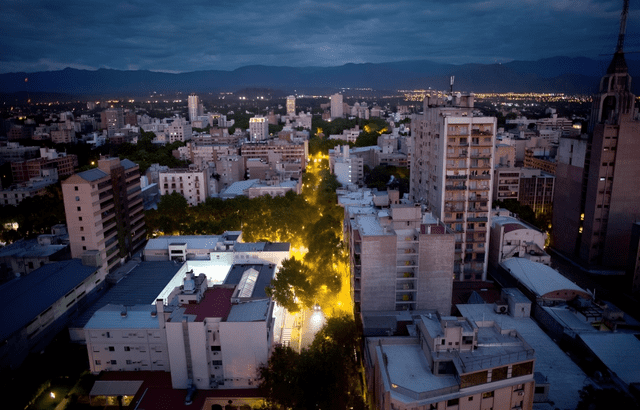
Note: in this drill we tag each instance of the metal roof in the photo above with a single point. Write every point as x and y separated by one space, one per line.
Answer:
540 279
251 311
24 298
140 286
266 273
127 164
618 351
93 174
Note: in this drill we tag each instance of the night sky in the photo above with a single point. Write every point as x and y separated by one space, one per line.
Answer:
176 36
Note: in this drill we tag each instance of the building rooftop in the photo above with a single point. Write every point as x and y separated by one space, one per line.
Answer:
618 351
140 286
29 248
24 298
265 274
192 241
136 317
565 377
238 188
93 174
368 225
215 303
127 164
261 246
250 311
537 277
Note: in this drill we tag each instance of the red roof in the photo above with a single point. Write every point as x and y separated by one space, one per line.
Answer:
215 303
513 227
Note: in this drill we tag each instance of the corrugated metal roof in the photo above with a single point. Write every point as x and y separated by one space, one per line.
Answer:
24 298
127 164
251 311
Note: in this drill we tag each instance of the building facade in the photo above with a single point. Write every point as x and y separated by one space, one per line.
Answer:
258 129
452 172
336 106
104 211
192 184
600 222
291 105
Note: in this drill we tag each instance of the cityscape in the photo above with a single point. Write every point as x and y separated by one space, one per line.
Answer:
289 215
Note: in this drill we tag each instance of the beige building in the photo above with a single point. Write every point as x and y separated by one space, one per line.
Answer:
511 238
277 150
192 184
291 105
452 172
337 108
258 129
104 211
451 363
401 258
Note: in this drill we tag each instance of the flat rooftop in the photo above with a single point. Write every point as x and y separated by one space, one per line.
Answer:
565 377
215 303
141 286
265 275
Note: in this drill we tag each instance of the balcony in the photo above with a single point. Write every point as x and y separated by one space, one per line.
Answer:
456 176
456 187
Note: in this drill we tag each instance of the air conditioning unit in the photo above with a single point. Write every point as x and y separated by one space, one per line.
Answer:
500 307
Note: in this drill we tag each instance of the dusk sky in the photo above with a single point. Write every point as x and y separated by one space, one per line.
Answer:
176 36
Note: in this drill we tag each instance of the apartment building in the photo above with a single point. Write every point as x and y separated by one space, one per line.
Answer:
191 183
208 337
401 258
348 169
291 105
529 186
277 150
64 163
258 129
451 363
452 172
178 130
104 211
337 108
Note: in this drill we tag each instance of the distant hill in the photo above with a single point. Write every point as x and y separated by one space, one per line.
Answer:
557 74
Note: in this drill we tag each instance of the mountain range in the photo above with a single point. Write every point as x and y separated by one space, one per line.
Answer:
570 75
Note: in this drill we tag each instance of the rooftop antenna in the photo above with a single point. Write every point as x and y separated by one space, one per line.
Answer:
623 26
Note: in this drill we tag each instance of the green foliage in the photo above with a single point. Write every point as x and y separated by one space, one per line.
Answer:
145 152
294 281
322 145
541 221
325 376
34 215
380 178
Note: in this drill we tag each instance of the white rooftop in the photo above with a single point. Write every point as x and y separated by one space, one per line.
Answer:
111 317
369 225
565 377
192 241
537 277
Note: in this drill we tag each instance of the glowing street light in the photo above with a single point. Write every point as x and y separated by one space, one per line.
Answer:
53 395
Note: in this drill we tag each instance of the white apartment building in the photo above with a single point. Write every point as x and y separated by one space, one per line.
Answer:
348 169
193 184
452 173
258 129
193 102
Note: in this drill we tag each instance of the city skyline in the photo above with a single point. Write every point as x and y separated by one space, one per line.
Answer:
173 38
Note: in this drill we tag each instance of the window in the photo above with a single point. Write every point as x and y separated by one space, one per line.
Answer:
215 348
80 218
487 394
539 390
453 402
470 398
127 349
114 362
82 237
77 199
75 188
82 229
79 209
216 362
112 349
129 362
97 362
84 248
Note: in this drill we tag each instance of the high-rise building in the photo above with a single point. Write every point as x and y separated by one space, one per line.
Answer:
291 105
597 199
258 128
401 257
104 212
451 173
193 104
336 106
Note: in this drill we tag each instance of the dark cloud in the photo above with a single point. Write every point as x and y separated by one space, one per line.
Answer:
198 35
